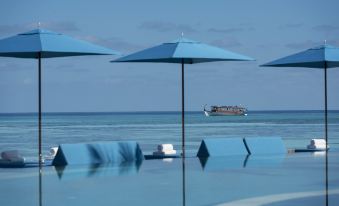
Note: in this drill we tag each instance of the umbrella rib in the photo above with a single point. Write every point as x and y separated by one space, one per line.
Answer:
41 49
175 50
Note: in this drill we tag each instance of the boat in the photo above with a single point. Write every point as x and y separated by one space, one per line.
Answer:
226 111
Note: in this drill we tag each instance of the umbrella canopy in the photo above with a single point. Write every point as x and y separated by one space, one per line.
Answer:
189 51
183 51
49 44
40 43
317 57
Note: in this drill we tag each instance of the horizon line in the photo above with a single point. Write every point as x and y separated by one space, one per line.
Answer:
168 111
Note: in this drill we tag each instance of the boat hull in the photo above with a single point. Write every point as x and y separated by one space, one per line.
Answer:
208 114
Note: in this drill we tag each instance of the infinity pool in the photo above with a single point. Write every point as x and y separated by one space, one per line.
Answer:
294 179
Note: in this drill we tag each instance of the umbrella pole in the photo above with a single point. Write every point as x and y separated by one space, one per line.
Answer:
182 108
326 135
40 153
325 81
183 132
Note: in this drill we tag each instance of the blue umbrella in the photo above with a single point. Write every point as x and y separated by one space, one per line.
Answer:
321 57
39 43
183 51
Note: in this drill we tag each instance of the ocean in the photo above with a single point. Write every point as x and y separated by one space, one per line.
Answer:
19 131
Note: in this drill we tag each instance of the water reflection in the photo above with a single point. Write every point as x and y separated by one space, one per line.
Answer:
264 160
40 184
222 163
240 178
97 170
240 161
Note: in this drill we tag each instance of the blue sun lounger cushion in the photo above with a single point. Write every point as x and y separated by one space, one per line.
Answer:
98 153
218 147
265 145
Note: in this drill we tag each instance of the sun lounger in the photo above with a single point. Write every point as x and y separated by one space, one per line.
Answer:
11 159
265 145
222 147
163 151
11 164
97 153
316 145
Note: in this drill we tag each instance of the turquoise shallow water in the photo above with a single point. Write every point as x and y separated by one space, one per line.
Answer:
19 131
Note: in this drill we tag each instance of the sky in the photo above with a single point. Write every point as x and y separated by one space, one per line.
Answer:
262 29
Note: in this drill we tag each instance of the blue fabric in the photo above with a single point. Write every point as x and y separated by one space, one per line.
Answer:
97 153
312 58
221 147
50 44
265 145
183 49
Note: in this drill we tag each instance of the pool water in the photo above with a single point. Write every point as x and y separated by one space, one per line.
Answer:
294 179
297 128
